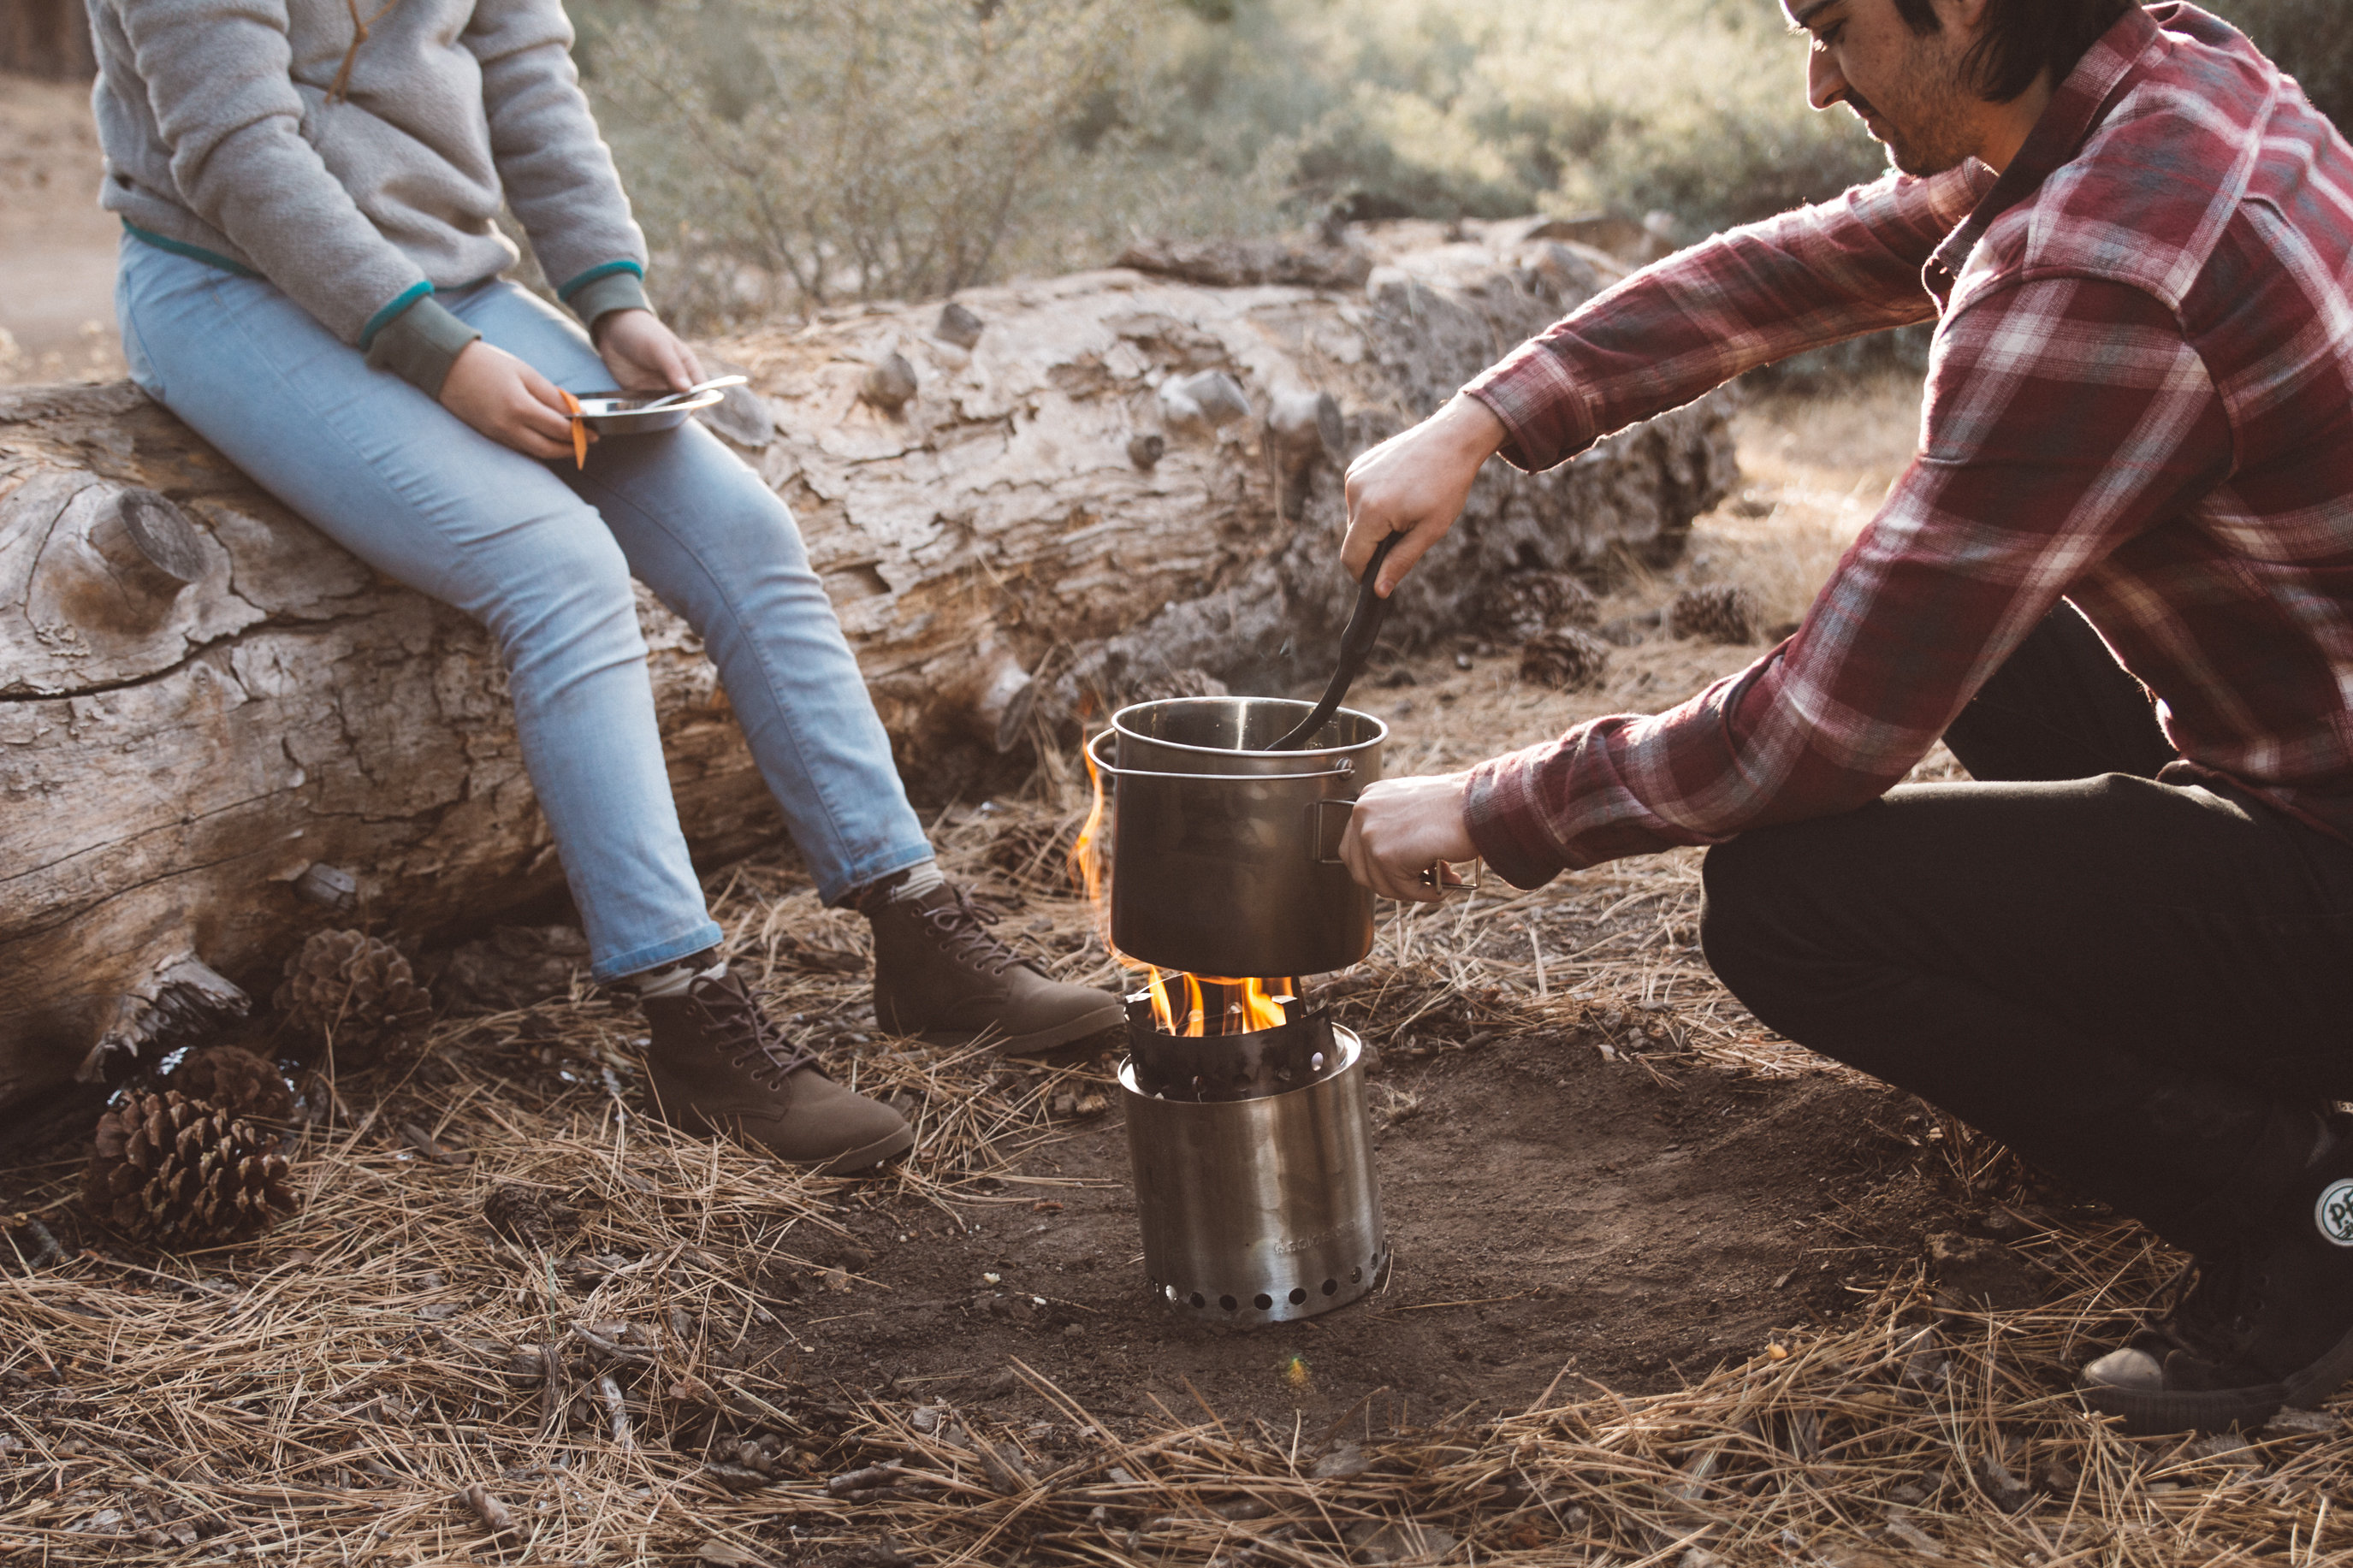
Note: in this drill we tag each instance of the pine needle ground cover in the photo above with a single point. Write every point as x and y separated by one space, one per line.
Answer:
1667 1290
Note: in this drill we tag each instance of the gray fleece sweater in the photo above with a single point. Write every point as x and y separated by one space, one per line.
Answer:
221 142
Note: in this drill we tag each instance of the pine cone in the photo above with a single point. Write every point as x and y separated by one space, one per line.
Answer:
179 1171
355 992
235 1080
1529 604
1728 613
1568 660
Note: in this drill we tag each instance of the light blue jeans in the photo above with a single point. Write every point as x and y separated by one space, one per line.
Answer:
543 555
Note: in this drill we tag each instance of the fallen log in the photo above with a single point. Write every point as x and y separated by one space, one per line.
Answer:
219 731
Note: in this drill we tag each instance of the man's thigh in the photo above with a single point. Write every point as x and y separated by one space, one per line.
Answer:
2173 922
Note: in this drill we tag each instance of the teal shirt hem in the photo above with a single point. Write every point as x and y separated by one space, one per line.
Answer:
193 252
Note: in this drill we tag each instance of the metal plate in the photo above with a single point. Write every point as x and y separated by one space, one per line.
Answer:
617 413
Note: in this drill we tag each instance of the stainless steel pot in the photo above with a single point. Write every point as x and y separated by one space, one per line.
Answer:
1224 854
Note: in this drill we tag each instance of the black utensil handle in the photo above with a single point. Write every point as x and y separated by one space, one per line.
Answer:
1356 646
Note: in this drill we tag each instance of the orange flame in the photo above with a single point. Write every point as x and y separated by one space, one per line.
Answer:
1211 1004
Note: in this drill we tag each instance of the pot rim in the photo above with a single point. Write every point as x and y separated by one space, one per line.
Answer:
1380 729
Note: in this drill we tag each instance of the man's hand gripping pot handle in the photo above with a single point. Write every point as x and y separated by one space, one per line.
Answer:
1414 484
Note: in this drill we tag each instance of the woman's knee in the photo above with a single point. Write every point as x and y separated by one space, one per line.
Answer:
563 587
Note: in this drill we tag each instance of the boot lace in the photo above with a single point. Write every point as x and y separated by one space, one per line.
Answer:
961 927
738 1025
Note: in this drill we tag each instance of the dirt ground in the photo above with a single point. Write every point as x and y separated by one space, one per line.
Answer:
56 248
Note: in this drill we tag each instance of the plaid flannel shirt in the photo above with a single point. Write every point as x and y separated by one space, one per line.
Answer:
2140 398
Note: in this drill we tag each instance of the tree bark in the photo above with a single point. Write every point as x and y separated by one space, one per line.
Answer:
219 731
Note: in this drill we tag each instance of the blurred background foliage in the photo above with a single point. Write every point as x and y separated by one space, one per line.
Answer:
787 155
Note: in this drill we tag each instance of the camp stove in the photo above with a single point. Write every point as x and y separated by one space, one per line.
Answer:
1247 1126
1253 1154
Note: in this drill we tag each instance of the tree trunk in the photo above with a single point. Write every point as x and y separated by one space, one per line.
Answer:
47 39
219 731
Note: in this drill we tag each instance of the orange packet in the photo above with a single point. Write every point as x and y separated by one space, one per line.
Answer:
579 429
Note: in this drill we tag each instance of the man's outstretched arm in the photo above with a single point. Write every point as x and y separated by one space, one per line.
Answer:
1667 335
2066 415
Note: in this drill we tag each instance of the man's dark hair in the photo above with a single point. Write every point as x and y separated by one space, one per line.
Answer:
2023 38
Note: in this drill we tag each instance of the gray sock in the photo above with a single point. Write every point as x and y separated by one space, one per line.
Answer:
918 880
672 979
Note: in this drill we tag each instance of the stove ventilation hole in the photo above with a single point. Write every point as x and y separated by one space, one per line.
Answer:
1262 1301
1355 1276
1331 1287
1298 1294
1228 1303
1198 1300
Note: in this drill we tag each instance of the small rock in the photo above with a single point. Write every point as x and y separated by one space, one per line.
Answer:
1092 1105
923 1418
890 385
1397 1541
1341 1463
2008 1494
1066 1105
1987 1273
1146 450
958 325
2304 1423
1073 1331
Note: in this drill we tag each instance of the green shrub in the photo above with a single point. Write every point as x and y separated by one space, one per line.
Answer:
786 153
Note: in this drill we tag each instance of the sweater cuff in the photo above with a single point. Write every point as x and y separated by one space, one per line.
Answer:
420 344
603 295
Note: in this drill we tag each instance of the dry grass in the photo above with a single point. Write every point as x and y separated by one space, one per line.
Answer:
385 1379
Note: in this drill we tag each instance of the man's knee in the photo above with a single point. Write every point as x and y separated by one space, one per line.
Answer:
1757 895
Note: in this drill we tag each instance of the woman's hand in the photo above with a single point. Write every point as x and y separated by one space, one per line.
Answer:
1415 483
1403 828
643 354
508 401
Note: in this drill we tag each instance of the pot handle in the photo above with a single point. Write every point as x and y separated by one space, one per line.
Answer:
1326 851
1342 769
1325 838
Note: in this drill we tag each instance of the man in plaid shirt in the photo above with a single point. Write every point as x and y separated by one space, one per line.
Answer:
2124 948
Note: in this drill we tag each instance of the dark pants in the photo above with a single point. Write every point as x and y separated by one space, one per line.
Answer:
2144 989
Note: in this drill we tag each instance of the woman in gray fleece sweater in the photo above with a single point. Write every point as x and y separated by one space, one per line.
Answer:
311 278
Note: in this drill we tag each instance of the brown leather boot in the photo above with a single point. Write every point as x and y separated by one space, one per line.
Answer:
718 1065
940 973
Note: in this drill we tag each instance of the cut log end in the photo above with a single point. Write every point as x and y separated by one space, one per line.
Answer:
992 705
182 1003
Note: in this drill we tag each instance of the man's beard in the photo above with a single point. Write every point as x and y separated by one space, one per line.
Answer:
1927 134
